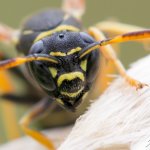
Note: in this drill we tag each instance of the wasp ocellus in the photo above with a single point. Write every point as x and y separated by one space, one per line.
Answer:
62 58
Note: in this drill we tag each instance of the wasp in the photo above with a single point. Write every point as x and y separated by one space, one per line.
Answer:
62 58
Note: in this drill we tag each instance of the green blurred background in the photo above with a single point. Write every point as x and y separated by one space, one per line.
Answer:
128 11
134 12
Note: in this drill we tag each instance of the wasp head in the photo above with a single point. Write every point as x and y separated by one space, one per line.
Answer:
77 66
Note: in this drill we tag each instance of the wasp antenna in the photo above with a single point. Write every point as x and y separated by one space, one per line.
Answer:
131 36
10 63
88 49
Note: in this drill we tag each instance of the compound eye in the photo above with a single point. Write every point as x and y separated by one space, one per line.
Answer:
37 48
86 38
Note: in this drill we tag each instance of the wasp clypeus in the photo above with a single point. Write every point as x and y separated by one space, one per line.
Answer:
62 58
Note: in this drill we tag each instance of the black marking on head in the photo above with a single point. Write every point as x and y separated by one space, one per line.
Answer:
71 86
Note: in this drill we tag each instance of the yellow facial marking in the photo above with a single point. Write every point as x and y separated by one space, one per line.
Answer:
83 65
85 95
57 54
59 101
74 50
89 50
74 94
70 76
53 71
58 29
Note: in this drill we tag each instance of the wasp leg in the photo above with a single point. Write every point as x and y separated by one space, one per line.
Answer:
115 28
35 113
8 35
109 54
6 84
20 99
74 7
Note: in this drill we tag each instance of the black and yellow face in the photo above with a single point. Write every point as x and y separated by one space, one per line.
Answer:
69 79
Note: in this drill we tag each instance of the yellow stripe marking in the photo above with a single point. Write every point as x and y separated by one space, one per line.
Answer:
89 50
60 101
53 71
75 50
58 29
83 65
72 51
57 54
70 76
74 94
